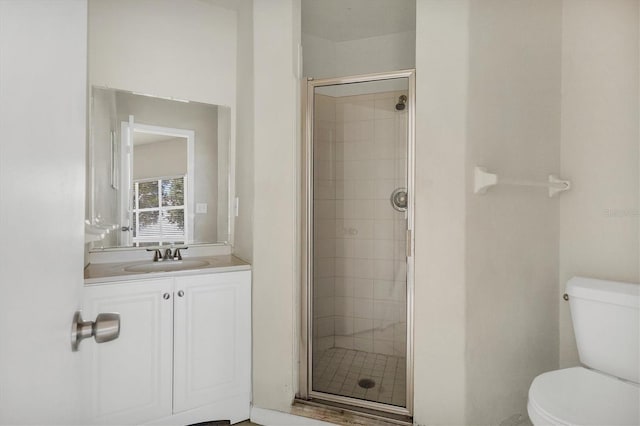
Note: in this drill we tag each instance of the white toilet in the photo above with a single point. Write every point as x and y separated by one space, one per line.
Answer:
605 391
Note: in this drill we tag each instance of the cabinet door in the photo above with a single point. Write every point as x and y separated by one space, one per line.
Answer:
212 352
129 379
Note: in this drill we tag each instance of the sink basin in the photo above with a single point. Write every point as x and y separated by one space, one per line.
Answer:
166 266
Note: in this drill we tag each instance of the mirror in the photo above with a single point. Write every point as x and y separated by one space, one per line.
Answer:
159 170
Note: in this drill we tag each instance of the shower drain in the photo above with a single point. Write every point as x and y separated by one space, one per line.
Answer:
366 383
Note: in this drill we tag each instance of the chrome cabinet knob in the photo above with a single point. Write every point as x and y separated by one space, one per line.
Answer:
180 293
166 296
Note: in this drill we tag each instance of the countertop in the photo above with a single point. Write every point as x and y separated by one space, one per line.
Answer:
100 273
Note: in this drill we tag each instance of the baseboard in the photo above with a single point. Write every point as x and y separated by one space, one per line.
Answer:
265 417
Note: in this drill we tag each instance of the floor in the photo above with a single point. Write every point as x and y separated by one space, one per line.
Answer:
363 375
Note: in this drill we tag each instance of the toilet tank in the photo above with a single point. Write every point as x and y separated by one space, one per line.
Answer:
607 325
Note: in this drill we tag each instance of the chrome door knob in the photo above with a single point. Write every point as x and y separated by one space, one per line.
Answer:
180 293
105 328
166 296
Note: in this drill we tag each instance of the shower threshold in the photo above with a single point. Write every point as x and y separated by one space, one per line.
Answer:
339 413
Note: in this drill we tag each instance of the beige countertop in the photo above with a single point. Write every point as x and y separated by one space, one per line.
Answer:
100 273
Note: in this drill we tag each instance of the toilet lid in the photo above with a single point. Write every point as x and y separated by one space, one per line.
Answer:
578 396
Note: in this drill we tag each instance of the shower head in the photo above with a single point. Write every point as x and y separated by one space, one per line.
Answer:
402 103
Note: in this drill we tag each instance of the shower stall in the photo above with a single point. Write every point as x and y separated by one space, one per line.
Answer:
358 246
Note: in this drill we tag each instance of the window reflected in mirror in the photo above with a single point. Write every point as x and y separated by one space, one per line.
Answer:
159 210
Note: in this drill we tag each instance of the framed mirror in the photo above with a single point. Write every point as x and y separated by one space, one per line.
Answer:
158 170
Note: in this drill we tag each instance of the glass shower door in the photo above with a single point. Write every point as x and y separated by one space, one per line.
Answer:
360 221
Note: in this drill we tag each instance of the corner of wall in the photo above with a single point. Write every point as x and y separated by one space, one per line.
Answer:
244 153
274 234
442 78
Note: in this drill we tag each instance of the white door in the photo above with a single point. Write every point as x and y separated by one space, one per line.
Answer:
129 379
212 335
43 100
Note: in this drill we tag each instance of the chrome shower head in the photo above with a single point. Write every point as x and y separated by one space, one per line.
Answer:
402 103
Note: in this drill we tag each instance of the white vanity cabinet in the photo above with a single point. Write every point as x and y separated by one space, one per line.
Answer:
184 351
129 379
212 323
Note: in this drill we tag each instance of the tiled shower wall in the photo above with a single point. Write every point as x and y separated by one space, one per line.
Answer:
360 265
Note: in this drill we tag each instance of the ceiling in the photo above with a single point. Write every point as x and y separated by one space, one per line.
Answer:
343 20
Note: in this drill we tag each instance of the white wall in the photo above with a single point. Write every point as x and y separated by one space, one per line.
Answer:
513 125
325 58
162 158
599 220
183 49
275 262
318 56
243 232
42 157
442 37
516 240
376 54
484 97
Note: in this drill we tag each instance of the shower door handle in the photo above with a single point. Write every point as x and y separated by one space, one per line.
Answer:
399 199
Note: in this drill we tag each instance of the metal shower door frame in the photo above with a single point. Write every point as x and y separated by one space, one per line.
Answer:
306 321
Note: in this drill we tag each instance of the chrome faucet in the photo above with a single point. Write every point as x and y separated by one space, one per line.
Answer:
167 255
157 254
176 253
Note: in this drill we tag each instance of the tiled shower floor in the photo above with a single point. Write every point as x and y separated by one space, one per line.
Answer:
338 371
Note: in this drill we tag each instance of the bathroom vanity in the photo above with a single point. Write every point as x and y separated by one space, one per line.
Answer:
183 355
184 351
